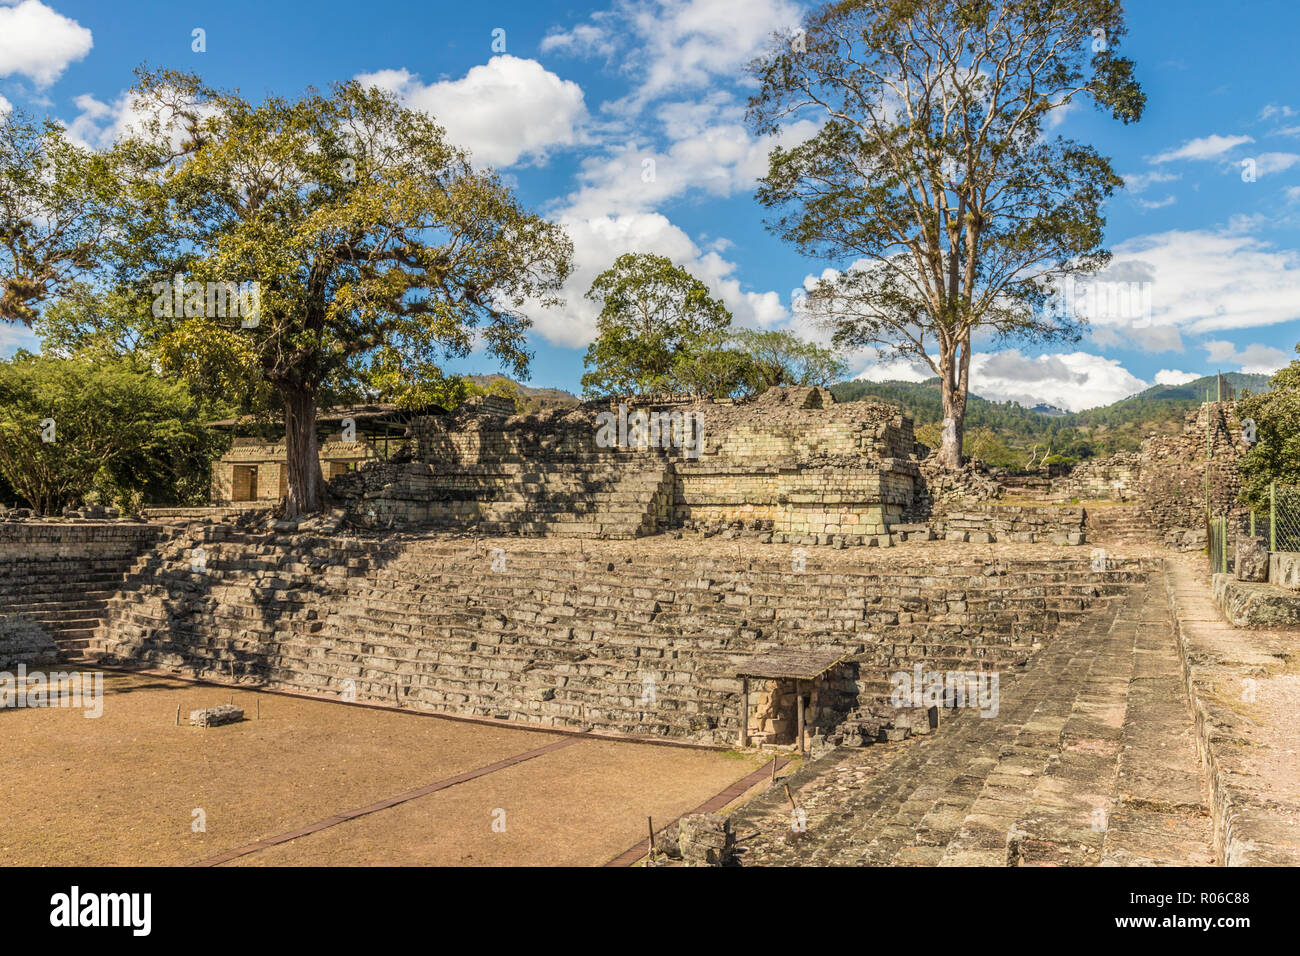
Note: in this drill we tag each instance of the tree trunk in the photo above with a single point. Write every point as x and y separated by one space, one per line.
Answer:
952 384
306 487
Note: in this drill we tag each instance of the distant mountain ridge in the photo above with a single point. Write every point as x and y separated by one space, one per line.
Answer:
1013 430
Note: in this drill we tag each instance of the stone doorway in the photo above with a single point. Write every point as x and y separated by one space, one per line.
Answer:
243 483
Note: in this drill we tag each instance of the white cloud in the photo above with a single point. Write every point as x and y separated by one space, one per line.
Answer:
1157 203
5 108
1263 359
896 370
677 44
38 42
1070 380
98 125
16 336
718 160
1206 147
1197 281
586 39
599 240
1173 376
679 132
1266 163
502 111
1137 182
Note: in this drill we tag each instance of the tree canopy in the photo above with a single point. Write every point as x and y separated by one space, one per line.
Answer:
56 214
652 313
361 242
1275 455
76 428
934 176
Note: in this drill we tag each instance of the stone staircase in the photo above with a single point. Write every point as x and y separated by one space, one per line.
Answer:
66 596
566 635
617 495
1119 523
1090 760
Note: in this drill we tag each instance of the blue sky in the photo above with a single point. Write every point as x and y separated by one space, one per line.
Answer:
583 94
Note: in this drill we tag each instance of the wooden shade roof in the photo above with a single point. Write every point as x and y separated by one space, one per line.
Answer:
789 664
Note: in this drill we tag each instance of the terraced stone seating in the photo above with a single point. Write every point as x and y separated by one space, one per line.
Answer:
613 495
628 641
62 586
1090 760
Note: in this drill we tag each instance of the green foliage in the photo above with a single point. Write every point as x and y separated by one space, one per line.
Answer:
712 366
659 330
779 357
377 248
120 434
1275 456
56 213
652 314
934 171
986 445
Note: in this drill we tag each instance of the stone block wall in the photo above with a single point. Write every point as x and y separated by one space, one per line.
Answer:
1171 485
48 568
791 462
809 500
1016 523
1107 479
534 632
1166 478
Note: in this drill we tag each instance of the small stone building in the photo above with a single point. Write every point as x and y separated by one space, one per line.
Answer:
253 471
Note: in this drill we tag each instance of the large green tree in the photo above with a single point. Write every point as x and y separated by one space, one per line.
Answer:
935 175
57 203
369 236
652 313
1275 454
70 426
780 357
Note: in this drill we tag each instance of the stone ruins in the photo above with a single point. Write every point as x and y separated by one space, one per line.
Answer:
764 575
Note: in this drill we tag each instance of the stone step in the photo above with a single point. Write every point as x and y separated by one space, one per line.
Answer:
1088 761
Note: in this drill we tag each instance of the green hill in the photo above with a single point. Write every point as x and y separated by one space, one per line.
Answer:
1003 433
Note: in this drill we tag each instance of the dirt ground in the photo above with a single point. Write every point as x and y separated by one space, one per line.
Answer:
124 788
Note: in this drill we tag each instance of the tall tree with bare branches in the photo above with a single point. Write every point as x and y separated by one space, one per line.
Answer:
935 178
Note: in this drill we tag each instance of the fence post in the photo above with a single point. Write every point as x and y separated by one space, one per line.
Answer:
1272 516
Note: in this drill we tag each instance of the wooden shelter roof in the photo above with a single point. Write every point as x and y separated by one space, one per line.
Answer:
789 664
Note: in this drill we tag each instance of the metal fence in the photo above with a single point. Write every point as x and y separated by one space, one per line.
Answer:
1279 526
1283 521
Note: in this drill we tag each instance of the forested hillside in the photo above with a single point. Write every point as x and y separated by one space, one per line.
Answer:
1006 433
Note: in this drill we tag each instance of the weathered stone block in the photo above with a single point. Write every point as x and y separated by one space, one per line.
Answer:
1251 604
1252 559
1284 569
216 716
706 839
